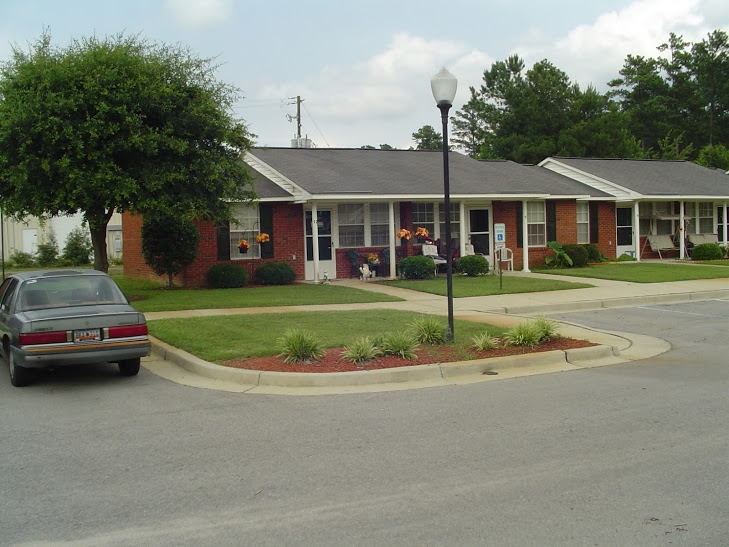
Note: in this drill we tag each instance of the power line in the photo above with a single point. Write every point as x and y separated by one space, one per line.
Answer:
317 127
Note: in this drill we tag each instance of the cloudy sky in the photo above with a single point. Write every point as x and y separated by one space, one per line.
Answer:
363 69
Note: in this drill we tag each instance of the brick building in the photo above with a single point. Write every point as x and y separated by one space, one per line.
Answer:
326 209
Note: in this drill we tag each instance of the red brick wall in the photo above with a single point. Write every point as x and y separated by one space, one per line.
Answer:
287 237
505 212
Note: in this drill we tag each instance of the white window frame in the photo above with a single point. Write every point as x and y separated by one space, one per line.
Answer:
246 225
351 216
536 235
379 216
706 217
583 222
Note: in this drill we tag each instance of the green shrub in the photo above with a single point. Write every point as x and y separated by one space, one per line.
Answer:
472 265
707 251
430 330
417 267
593 253
400 344
300 346
560 259
226 276
578 254
485 341
78 249
22 260
361 350
625 258
47 252
725 250
547 327
275 273
523 334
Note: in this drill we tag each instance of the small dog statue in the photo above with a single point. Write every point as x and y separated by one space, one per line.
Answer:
365 272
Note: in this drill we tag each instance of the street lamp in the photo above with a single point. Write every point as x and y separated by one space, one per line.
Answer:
444 86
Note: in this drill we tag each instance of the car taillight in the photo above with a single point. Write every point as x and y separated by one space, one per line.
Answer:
125 332
32 339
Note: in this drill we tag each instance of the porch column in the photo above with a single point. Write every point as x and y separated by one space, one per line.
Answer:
462 234
681 231
315 240
525 237
726 223
393 236
636 230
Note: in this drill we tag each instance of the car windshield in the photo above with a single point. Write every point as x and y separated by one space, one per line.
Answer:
60 292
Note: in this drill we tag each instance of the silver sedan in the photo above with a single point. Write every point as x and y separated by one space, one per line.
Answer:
68 317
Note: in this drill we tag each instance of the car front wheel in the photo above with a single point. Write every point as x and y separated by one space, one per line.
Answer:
19 376
129 367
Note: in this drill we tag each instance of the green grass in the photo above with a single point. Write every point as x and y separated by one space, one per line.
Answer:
485 285
149 296
642 272
220 338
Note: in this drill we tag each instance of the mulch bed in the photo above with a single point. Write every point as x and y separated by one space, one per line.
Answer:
334 362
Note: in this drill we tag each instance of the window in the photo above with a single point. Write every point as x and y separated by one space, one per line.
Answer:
455 219
689 215
423 216
246 226
583 222
706 217
379 224
536 224
351 225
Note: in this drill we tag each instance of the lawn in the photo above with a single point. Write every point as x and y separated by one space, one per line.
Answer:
484 286
219 338
150 296
643 272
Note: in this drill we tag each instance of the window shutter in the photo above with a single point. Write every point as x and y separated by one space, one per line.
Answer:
519 224
223 243
551 221
266 215
594 224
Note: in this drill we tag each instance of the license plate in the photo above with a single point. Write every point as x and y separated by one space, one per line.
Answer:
86 335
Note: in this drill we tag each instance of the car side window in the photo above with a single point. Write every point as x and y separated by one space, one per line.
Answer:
7 290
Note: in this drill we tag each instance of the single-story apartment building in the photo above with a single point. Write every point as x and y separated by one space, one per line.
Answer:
325 209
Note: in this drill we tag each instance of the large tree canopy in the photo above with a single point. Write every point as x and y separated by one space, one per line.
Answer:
117 124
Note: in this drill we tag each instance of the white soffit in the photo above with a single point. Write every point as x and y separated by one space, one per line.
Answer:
591 180
300 195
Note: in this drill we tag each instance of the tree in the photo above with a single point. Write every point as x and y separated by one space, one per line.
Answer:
118 124
714 155
428 138
169 243
78 249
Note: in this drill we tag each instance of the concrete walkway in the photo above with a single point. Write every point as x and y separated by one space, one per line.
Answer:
502 310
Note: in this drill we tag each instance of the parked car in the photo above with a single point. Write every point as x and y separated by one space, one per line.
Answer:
68 317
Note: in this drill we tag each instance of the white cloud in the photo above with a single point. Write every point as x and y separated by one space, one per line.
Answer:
200 13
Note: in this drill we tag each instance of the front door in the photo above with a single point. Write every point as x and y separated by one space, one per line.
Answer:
479 234
326 258
624 227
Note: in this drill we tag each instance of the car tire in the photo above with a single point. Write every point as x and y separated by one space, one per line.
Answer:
129 367
19 376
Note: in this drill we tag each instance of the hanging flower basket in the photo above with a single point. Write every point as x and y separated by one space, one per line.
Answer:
422 234
243 246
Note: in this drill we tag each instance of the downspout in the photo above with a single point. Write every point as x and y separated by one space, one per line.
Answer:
525 237
462 234
636 230
681 231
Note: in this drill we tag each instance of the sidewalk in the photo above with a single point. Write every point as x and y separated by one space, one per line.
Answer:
503 310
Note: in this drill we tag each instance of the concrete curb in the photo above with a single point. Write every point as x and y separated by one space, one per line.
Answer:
208 375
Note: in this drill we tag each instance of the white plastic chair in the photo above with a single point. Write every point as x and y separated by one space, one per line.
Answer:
507 259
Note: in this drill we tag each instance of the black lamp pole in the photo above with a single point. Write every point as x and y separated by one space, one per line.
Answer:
444 108
444 86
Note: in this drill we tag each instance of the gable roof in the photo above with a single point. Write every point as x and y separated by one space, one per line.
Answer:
636 179
348 174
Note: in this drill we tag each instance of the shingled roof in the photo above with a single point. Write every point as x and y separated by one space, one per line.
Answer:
357 173
649 178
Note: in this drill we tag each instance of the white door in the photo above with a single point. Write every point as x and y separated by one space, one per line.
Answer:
479 233
326 248
30 240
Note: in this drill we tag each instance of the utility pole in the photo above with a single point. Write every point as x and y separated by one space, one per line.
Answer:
299 100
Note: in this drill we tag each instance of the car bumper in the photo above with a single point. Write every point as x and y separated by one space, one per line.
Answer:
75 354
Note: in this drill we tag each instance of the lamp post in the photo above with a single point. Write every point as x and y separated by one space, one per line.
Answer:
444 86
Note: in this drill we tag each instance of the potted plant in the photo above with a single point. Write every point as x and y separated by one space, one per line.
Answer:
421 233
404 235
243 246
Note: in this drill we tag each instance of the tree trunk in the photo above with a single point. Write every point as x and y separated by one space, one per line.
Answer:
98 239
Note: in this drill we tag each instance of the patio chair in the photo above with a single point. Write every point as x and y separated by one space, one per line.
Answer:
432 252
385 254
354 258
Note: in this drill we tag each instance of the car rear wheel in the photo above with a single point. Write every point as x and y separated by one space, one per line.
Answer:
129 367
19 376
